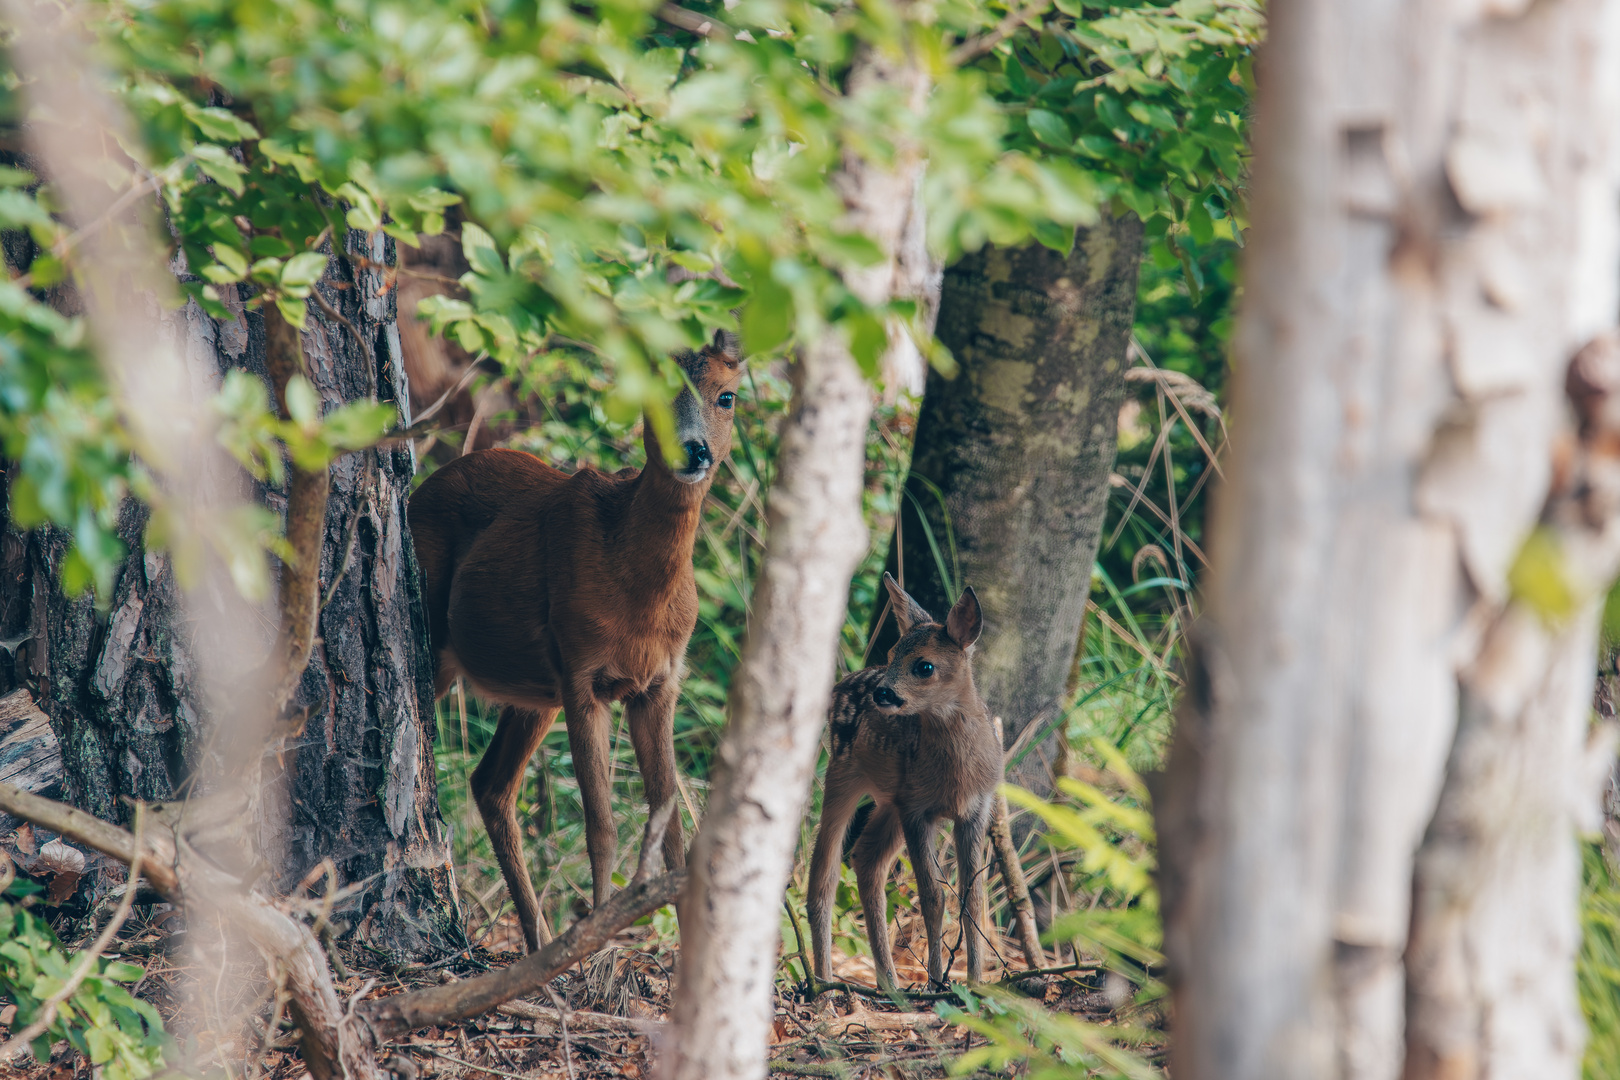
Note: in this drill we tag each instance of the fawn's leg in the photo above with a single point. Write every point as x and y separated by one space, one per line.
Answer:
970 882
873 856
920 842
495 786
588 740
651 718
837 807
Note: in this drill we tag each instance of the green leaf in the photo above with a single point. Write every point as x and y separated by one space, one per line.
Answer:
303 269
767 319
292 309
868 339
1049 128
303 403
232 260
217 123
119 971
358 424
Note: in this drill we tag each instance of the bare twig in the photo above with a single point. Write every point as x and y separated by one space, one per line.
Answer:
87 959
480 1068
969 51
562 1025
432 410
693 22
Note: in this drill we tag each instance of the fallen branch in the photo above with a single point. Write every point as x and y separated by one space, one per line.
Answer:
861 1019
388 1018
523 1010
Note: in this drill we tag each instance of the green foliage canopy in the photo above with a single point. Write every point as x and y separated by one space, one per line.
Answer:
592 150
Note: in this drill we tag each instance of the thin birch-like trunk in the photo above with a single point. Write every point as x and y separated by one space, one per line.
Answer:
1434 237
743 852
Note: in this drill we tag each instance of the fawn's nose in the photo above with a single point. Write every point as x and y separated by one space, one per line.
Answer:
887 698
697 455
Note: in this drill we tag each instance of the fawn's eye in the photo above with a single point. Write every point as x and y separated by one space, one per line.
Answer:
922 669
726 399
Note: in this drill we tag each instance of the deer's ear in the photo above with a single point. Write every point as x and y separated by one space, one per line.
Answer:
966 621
907 612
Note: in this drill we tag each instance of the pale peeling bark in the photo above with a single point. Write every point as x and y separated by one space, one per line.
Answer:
1434 236
743 852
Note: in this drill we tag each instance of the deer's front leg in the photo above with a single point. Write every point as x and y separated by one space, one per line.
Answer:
920 842
588 740
843 792
971 872
651 718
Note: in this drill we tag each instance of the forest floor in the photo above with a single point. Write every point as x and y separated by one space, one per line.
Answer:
616 1005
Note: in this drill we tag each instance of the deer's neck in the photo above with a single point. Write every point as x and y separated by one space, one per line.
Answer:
659 530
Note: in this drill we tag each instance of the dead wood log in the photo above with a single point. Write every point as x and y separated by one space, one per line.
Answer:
30 756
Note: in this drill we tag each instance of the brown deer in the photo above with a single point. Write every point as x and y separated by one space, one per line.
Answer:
917 738
548 591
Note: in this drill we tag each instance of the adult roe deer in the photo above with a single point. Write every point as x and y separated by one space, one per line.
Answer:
915 735
548 591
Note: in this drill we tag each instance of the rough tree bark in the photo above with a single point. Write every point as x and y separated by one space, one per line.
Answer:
1434 236
1021 443
743 852
357 783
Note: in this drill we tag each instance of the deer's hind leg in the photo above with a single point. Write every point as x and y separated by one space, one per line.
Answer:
930 892
971 872
873 857
495 787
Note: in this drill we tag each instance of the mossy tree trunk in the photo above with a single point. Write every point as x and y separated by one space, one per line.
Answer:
1011 464
357 784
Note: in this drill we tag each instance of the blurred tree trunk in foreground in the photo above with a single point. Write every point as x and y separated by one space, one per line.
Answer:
358 783
742 854
1019 446
1387 718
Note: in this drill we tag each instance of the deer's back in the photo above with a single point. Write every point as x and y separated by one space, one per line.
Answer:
455 505
931 766
527 583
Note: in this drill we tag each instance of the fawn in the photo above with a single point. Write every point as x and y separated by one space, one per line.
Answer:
550 591
917 738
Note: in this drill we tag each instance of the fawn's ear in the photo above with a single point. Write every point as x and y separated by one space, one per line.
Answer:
729 344
907 612
966 621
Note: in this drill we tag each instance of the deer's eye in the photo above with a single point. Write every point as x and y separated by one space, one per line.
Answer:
922 669
726 399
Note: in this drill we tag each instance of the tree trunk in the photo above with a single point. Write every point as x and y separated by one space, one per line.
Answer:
743 852
1434 235
1020 444
357 783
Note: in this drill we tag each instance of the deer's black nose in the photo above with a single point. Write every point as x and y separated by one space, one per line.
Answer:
887 698
698 456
